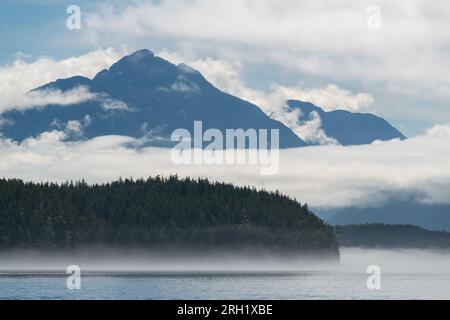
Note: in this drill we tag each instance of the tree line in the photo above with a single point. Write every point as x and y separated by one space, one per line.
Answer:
379 235
156 212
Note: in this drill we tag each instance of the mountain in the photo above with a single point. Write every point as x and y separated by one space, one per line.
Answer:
158 213
346 127
143 95
392 237
406 211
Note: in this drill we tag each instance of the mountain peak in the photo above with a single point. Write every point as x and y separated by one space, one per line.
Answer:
139 69
139 55
143 95
139 61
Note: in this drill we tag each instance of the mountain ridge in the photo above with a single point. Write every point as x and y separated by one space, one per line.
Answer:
396 211
348 128
143 95
163 97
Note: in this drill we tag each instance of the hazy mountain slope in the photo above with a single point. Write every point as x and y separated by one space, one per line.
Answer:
429 216
391 236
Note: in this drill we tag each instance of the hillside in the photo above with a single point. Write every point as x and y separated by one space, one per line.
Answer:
404 211
392 236
158 213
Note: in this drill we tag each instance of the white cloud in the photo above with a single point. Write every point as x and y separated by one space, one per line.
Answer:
329 98
311 131
19 77
409 51
42 98
329 176
73 128
439 131
114 104
183 85
4 122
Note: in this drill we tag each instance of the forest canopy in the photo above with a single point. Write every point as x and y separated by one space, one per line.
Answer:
157 212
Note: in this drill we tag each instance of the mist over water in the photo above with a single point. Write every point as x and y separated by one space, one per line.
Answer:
138 274
396 261
120 260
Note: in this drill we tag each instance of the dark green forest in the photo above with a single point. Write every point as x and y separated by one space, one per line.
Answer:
391 236
157 212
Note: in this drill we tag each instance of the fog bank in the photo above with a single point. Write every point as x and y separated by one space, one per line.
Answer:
353 260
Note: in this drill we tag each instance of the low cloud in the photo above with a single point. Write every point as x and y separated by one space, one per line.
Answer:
311 131
109 104
183 85
41 98
323 176
18 78
329 98
73 128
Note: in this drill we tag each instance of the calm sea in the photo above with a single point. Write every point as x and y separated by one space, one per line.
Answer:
427 278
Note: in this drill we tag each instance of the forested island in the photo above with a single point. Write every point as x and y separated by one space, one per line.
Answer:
392 236
158 213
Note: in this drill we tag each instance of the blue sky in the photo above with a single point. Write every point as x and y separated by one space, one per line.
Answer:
34 27
302 46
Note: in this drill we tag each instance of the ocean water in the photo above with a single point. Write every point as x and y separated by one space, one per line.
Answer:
304 285
404 275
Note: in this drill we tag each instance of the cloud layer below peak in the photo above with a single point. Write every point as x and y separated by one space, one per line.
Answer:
21 76
323 176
